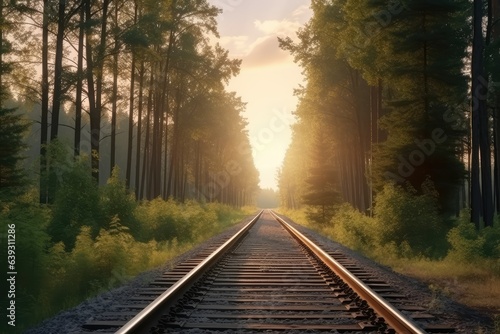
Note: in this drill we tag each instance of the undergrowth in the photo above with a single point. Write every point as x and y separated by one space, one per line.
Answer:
66 254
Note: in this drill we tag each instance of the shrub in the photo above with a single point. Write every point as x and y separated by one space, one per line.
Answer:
29 222
156 219
469 244
402 215
491 234
77 204
115 250
353 229
187 222
116 200
466 243
320 214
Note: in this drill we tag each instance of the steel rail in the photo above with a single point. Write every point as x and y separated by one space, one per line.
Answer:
392 316
133 325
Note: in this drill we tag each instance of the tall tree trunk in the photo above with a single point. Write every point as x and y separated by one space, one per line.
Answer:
160 108
494 28
58 70
480 142
130 123
165 155
151 179
155 147
139 132
173 155
114 98
131 111
94 124
1 53
146 141
44 196
96 112
79 84
197 169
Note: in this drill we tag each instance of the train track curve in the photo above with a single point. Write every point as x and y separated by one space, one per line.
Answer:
268 277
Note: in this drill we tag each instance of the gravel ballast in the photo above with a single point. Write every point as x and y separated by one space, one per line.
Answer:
464 319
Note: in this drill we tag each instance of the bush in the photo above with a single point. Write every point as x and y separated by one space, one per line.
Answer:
29 221
77 204
491 236
404 216
466 243
353 229
116 200
187 222
469 244
156 219
320 214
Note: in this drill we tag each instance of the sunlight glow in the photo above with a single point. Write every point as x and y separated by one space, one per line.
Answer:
268 74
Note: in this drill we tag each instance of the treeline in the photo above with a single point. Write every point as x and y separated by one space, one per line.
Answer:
388 100
141 79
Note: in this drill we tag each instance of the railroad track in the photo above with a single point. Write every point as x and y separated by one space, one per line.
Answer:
268 277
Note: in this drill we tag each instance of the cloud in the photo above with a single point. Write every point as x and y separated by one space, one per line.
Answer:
237 45
302 13
265 51
283 27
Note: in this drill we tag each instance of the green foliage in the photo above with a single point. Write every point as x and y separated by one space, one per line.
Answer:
353 229
157 219
322 186
421 61
29 221
12 128
491 235
104 252
117 201
95 265
403 216
319 214
189 221
12 124
466 244
469 245
59 161
405 225
77 204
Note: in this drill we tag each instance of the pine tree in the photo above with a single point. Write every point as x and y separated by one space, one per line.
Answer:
321 182
423 66
12 128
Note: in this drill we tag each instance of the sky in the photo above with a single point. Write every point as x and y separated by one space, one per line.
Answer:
249 29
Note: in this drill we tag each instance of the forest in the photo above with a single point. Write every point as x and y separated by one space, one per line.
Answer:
396 149
118 136
121 146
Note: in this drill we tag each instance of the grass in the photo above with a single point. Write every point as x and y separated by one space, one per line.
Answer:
474 284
